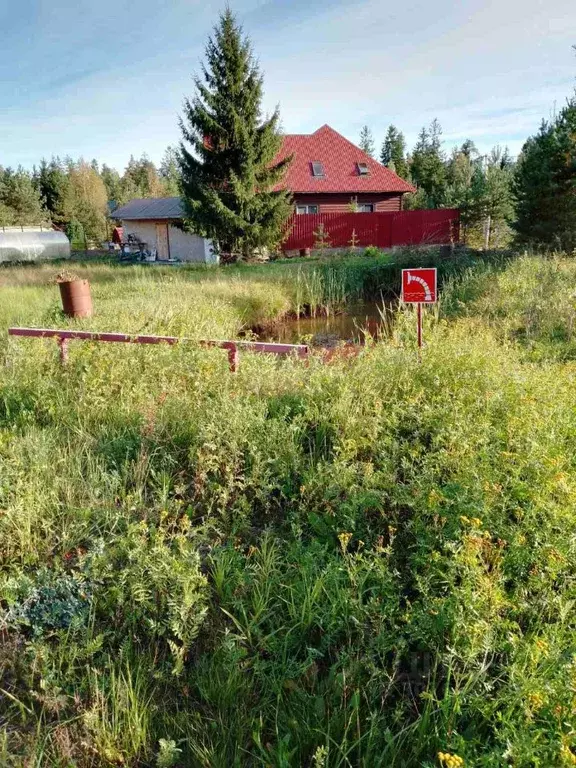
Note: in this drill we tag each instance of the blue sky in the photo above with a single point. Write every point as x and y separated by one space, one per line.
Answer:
106 79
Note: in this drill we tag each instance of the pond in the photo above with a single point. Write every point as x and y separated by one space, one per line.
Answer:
350 327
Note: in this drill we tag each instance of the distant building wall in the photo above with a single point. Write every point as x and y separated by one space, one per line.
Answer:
168 239
340 203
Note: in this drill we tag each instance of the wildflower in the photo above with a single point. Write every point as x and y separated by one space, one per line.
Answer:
536 701
344 540
464 520
434 497
476 522
543 646
450 761
568 757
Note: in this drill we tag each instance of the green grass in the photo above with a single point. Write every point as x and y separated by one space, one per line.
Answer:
357 564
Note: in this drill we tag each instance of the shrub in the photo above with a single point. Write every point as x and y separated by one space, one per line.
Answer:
148 587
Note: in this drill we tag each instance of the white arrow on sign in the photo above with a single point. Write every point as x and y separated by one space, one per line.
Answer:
423 283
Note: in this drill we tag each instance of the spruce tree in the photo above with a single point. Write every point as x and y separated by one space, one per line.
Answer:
227 153
427 169
170 172
52 182
545 184
21 200
393 153
113 184
367 141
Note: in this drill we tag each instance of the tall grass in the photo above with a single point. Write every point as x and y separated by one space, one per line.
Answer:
366 563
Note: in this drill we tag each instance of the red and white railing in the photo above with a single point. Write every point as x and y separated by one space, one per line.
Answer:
233 348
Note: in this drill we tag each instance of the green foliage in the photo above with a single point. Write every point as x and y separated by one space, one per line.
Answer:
46 601
113 183
51 181
393 153
85 200
366 562
544 183
372 251
227 158
141 179
427 168
481 187
366 143
149 580
20 200
170 172
76 234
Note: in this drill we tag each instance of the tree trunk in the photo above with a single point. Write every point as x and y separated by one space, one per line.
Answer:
487 227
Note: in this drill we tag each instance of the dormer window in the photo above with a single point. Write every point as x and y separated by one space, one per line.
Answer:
363 169
318 170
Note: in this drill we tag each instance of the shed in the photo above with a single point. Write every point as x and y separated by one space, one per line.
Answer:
157 223
32 244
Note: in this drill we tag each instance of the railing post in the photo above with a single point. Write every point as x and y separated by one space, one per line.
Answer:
233 358
63 344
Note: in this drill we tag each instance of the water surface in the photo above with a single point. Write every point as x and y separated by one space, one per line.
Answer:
351 327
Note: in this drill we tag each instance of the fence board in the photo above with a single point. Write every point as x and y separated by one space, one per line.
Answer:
385 230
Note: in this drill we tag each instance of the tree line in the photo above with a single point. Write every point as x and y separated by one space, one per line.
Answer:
77 196
481 186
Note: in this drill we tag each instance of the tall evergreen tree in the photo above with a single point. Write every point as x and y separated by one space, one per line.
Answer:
22 204
113 184
545 184
393 153
52 182
367 141
170 172
228 150
141 179
427 168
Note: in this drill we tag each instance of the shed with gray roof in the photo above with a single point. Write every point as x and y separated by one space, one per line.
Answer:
156 223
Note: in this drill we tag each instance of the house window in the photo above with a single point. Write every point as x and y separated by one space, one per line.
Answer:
306 209
363 169
365 207
318 170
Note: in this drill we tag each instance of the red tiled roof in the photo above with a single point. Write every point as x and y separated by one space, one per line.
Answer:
340 159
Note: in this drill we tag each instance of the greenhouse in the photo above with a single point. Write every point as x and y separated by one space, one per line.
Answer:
26 244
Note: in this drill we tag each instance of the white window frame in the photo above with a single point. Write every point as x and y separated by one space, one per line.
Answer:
361 207
303 209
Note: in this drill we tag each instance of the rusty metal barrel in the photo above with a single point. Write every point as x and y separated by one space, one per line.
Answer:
76 298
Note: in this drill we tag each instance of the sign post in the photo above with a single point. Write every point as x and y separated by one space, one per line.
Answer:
419 286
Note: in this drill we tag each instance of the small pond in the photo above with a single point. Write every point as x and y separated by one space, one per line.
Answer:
328 331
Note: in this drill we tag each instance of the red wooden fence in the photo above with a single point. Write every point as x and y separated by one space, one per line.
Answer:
385 230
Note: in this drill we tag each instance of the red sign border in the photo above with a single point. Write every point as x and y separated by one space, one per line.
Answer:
418 269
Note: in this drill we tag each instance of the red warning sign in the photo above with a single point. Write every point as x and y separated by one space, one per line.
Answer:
419 286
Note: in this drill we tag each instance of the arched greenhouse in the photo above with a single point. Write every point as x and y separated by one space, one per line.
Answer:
18 244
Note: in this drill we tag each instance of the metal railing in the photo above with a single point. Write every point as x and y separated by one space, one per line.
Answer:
63 337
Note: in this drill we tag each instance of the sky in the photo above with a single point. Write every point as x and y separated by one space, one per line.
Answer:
106 79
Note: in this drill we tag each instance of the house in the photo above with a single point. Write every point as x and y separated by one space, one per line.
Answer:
328 174
154 222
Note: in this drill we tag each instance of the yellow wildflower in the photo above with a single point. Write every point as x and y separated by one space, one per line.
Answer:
543 646
450 761
344 540
536 701
568 757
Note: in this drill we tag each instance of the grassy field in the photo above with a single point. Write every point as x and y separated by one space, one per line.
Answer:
367 563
